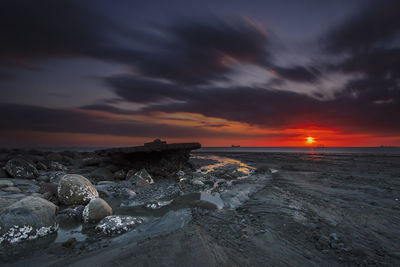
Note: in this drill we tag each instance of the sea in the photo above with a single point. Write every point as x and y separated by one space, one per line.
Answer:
306 150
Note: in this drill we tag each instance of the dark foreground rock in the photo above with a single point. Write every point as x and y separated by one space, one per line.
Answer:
96 210
21 168
160 159
27 219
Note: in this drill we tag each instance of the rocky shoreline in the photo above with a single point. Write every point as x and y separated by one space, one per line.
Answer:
220 209
104 193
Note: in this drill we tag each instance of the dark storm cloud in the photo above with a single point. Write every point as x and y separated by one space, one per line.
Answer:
14 117
187 51
375 25
6 76
199 52
141 90
105 107
298 73
379 62
274 108
41 29
45 29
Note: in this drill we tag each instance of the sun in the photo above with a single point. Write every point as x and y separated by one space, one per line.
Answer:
310 140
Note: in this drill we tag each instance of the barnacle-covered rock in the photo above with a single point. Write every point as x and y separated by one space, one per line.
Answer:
115 225
27 219
75 189
19 167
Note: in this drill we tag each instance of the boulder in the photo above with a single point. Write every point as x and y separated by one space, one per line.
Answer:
21 168
126 193
96 210
103 190
91 161
162 160
115 225
57 157
55 166
55 176
75 189
6 201
197 182
41 166
120 175
27 219
141 178
70 215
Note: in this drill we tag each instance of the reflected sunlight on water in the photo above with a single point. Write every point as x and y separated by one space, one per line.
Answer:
223 162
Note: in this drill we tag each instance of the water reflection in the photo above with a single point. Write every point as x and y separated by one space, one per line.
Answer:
236 166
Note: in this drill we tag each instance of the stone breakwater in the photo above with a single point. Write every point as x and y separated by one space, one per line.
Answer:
40 190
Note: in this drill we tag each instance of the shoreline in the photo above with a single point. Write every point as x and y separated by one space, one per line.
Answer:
330 210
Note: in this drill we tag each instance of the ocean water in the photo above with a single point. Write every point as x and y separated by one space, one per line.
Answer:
306 150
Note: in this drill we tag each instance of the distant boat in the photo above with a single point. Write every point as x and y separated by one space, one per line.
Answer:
235 145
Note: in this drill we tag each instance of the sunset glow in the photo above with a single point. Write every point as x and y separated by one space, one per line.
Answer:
217 76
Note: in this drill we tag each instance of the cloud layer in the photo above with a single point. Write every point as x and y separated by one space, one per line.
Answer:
178 67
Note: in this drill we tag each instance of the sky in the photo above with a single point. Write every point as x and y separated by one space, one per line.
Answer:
249 73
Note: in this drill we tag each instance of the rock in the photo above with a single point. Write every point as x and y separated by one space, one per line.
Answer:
115 225
101 174
27 219
41 166
91 161
6 183
202 200
141 178
21 168
323 243
126 193
334 237
70 243
154 205
120 175
55 176
70 215
55 166
112 168
75 189
103 190
96 210
197 182
11 189
49 188
3 173
160 159
54 157
28 187
68 160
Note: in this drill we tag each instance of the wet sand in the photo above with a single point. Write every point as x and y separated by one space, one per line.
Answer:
310 210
